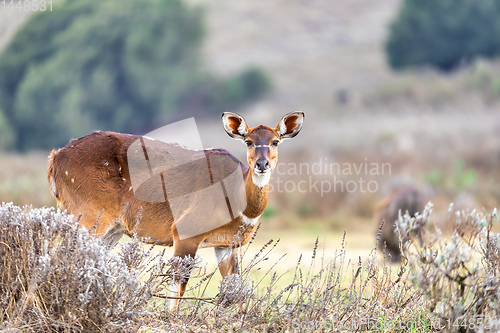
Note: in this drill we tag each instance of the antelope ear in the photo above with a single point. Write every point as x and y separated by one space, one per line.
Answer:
290 125
235 126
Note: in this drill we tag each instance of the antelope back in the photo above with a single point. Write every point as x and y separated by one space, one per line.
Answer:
91 178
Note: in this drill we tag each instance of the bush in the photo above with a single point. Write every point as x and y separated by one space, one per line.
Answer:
444 33
459 276
54 276
122 66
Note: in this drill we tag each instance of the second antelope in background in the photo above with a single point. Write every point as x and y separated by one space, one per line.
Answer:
404 200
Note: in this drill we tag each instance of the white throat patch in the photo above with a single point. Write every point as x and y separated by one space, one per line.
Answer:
261 179
249 221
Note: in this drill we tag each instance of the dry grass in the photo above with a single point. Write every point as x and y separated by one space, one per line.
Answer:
473 87
56 277
23 179
312 49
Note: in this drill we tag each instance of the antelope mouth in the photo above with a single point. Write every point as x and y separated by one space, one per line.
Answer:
261 178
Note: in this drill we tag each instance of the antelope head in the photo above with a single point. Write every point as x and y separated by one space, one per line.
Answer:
262 141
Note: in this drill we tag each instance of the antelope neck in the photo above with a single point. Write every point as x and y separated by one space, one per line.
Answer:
256 197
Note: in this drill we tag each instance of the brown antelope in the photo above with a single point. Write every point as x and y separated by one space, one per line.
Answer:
91 179
400 201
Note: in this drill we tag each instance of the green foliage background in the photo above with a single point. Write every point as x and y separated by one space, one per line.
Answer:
444 33
112 65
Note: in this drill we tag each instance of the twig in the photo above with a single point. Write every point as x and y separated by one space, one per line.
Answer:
204 299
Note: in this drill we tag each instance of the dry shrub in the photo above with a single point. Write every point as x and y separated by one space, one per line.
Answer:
57 277
54 276
460 275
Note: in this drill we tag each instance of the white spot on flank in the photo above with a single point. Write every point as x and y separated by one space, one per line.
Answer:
72 180
106 163
261 179
66 172
248 220
124 179
130 188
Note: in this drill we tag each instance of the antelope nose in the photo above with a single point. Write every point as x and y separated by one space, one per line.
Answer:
262 164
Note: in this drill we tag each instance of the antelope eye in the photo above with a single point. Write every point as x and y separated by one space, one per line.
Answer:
249 143
275 143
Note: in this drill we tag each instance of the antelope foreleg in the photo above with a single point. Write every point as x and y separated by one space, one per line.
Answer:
114 234
183 257
227 260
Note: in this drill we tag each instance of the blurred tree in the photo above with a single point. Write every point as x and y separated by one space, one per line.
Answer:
444 33
112 65
6 133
